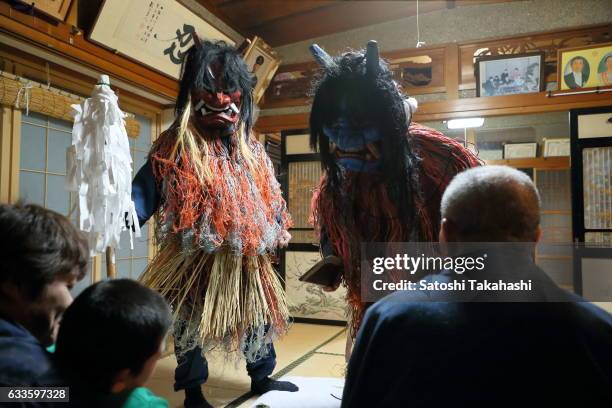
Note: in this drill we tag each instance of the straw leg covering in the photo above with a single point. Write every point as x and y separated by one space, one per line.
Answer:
220 299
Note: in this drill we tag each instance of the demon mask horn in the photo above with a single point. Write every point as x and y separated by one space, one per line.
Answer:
372 59
196 40
322 58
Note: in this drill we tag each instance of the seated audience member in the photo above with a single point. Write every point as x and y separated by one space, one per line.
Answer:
43 256
109 342
416 353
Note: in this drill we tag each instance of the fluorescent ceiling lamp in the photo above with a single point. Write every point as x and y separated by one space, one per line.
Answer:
465 123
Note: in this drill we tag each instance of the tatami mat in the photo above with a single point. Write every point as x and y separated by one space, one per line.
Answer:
321 365
297 354
336 346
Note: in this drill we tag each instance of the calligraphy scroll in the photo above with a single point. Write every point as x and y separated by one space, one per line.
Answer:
157 33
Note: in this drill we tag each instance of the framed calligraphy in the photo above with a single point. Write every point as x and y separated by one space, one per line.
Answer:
157 33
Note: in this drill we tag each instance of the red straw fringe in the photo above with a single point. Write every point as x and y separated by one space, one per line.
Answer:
230 203
363 211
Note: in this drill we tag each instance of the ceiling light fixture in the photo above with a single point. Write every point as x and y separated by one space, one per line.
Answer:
465 123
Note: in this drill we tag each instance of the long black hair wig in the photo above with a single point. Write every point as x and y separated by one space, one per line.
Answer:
197 74
359 82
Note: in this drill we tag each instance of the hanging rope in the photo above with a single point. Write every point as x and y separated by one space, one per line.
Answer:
419 44
40 98
24 93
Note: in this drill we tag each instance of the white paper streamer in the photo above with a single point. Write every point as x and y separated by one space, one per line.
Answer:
410 106
99 170
24 93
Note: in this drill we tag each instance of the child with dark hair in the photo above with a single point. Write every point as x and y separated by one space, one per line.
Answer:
109 343
43 256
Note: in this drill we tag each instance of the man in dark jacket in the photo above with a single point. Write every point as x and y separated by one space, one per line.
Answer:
579 75
543 347
43 256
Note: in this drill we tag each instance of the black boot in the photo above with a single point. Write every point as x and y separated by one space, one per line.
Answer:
195 399
267 384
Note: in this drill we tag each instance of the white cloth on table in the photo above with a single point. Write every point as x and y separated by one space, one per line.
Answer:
314 392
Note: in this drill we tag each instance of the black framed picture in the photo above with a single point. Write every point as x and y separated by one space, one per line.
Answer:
509 74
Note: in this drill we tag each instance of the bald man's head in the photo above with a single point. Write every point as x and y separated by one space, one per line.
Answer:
491 204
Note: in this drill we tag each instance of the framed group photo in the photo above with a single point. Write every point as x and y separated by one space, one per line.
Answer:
585 67
509 74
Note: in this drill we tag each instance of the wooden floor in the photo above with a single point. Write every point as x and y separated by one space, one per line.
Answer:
308 350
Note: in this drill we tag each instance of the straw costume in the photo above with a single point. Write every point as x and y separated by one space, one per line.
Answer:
220 215
383 177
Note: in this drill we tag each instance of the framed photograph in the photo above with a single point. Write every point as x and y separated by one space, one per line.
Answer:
53 8
520 150
156 33
491 154
263 62
289 86
509 74
420 70
556 147
585 67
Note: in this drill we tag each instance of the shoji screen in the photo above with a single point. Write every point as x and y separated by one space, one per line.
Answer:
42 169
591 135
301 172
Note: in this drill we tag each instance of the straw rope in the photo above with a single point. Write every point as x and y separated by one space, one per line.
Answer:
221 299
36 97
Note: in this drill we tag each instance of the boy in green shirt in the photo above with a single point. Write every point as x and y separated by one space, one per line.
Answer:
143 397
109 342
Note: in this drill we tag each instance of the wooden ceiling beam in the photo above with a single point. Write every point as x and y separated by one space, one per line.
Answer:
281 22
33 67
338 17
216 8
271 11
464 108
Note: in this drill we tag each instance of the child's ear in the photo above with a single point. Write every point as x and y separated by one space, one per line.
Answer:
122 381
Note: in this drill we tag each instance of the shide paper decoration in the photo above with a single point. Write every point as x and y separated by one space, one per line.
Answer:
99 170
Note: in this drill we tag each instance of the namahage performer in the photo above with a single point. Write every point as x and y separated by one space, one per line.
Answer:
383 176
220 216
